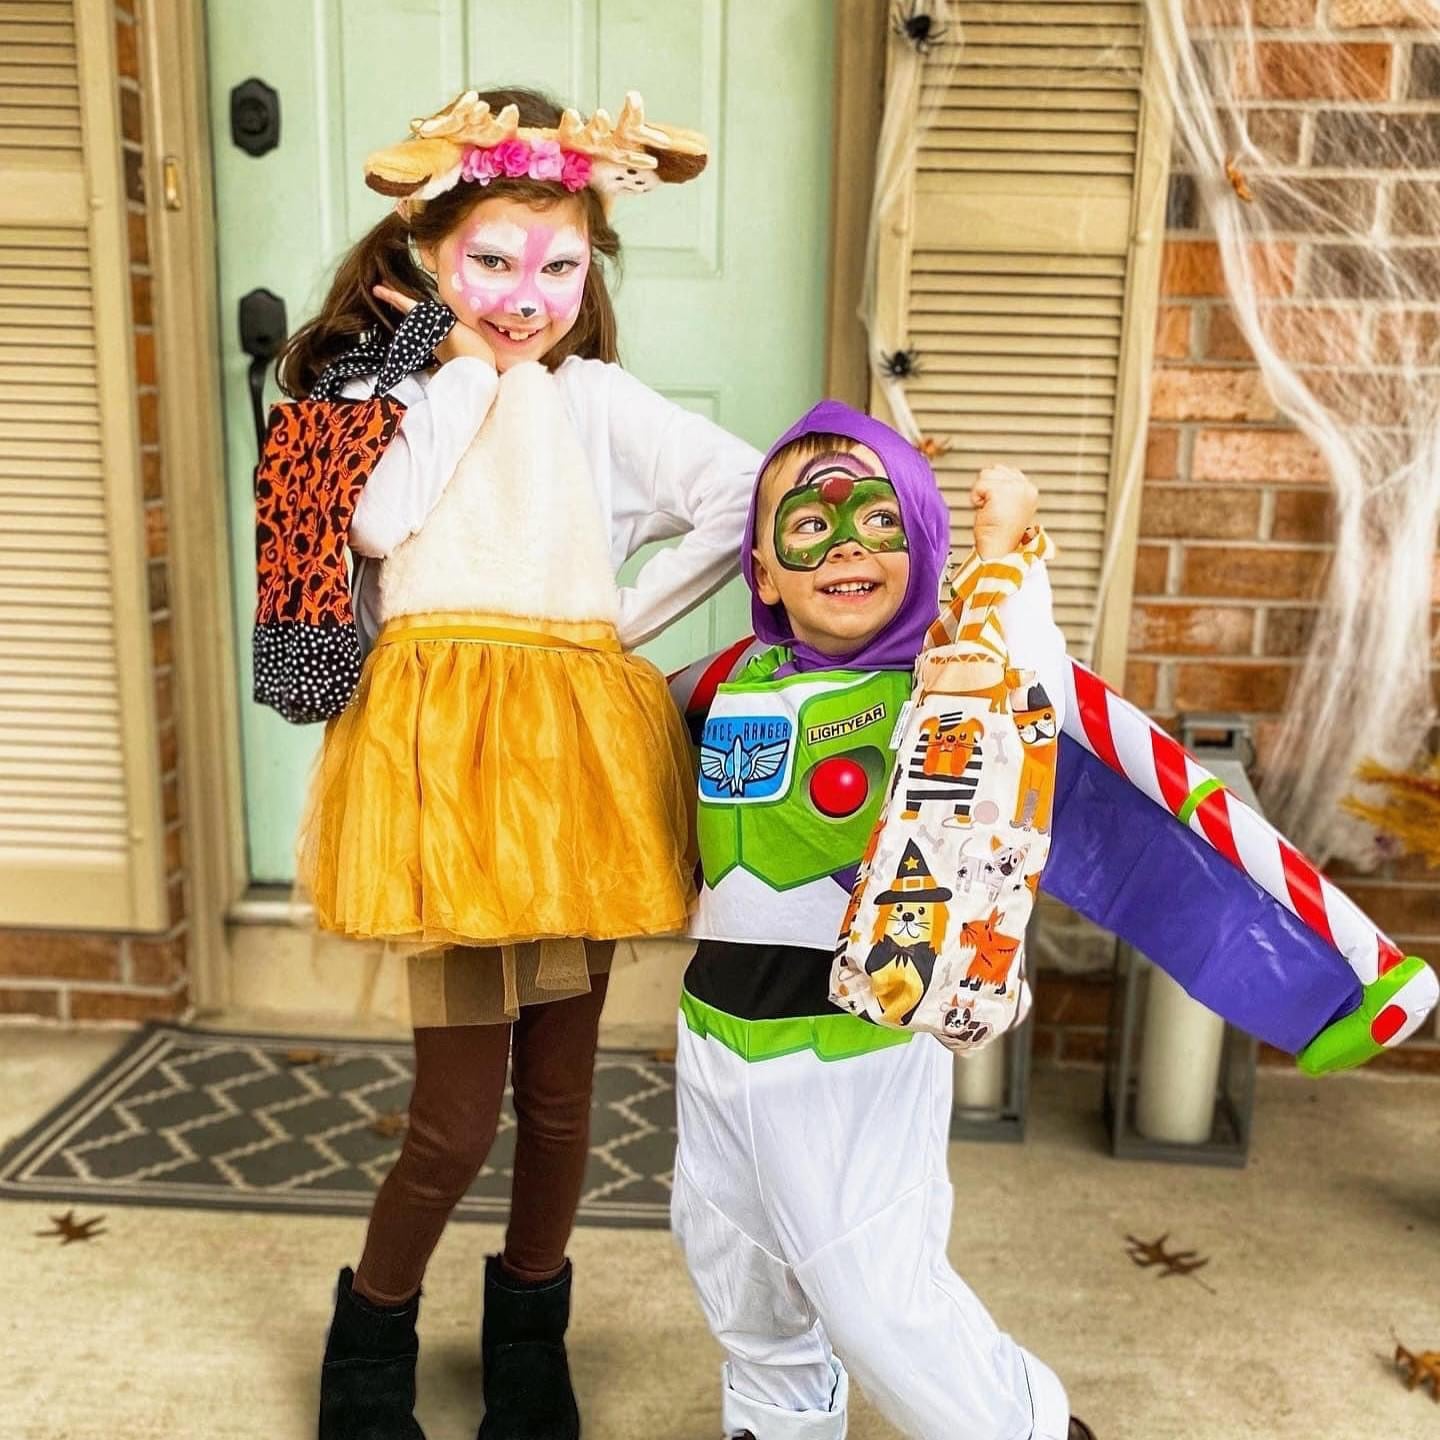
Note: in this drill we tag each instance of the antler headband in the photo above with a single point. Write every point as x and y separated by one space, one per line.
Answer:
466 141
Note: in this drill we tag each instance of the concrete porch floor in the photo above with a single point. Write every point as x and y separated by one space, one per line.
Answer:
1323 1252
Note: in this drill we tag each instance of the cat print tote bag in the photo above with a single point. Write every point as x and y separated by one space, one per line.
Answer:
933 938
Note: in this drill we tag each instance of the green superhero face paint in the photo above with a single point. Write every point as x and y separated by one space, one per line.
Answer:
832 507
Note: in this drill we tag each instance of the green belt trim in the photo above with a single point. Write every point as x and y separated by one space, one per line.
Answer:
1197 797
830 1037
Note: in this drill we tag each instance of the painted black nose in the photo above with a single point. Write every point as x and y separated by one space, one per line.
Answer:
527 311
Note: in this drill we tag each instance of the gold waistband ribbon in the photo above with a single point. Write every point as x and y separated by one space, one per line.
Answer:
464 625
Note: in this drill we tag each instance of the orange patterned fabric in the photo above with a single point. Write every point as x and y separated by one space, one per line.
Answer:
978 587
316 459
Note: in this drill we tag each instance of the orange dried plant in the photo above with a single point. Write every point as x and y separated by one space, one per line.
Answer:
1410 814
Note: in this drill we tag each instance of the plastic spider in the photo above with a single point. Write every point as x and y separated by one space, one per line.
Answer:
918 26
902 365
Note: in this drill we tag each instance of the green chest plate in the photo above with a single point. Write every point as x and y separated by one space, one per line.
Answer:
793 772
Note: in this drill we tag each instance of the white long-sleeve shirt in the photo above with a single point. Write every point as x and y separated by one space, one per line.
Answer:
659 471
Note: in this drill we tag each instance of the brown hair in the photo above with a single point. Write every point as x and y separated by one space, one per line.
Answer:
386 256
813 442
802 447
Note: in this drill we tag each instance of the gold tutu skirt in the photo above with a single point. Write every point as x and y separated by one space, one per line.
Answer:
497 782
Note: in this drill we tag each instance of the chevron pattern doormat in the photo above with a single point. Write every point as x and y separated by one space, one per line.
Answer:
222 1121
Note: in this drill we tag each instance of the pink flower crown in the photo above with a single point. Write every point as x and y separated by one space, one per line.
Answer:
539 159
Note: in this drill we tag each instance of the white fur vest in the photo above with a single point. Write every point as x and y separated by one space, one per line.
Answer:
518 530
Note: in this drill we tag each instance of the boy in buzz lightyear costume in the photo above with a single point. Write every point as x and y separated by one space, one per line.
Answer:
811 1193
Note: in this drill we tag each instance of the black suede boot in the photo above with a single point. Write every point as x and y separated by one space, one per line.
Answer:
367 1383
522 1346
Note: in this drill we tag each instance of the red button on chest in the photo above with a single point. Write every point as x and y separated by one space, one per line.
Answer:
838 787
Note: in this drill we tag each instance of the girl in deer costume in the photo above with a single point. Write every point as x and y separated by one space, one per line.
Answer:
507 793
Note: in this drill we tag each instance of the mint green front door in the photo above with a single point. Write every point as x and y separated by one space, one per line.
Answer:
722 303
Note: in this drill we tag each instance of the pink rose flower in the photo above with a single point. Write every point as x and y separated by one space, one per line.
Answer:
479 166
513 157
545 160
575 171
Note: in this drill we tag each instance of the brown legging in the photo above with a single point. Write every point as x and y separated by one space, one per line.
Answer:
454 1112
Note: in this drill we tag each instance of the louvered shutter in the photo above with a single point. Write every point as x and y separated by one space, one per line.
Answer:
1026 263
80 823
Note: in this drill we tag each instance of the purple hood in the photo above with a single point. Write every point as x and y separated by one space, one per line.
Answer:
927 529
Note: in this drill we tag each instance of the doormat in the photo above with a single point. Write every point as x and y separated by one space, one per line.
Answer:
214 1120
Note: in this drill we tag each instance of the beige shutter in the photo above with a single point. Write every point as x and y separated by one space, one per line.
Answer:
80 824
1024 267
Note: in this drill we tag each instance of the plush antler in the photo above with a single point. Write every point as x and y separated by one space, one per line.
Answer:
467 121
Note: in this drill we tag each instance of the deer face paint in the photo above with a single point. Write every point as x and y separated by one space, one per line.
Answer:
517 275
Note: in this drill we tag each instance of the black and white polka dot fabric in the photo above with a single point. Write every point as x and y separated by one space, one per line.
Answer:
410 349
306 672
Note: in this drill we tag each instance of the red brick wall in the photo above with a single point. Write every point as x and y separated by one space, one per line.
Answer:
1235 521
62 976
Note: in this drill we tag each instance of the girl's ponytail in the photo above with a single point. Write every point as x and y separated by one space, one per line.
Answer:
382 257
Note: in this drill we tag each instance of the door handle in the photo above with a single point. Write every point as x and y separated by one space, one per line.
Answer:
263 328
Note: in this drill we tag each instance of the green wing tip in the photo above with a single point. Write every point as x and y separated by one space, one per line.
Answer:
1347 1042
